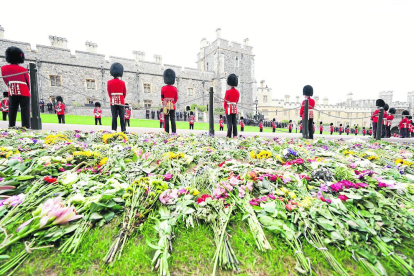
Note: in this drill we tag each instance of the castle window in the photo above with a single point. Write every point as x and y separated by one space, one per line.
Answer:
265 98
190 91
147 88
55 81
90 84
147 103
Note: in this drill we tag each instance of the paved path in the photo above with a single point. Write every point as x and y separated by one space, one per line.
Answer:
61 127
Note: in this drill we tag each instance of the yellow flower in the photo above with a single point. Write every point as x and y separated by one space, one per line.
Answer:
279 192
10 153
172 155
54 139
372 157
310 187
264 154
196 192
283 189
292 195
253 154
110 137
103 161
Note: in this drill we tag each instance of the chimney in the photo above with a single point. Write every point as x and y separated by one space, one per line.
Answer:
287 98
218 33
91 47
139 56
203 43
262 84
316 99
59 42
158 59
325 101
297 99
1 32
246 42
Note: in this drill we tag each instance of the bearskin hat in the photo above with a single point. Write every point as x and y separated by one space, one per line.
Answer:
169 76
241 118
117 70
405 113
320 123
363 128
221 116
340 124
331 124
187 108
97 104
308 90
274 119
392 110
191 113
347 126
14 55
232 80
5 94
59 99
386 107
380 103
290 121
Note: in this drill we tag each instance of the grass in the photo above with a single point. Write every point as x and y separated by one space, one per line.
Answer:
192 255
106 121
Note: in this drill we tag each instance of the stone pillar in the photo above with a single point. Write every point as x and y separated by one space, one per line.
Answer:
91 47
1 32
158 59
59 42
139 56
262 83
218 33
196 114
205 117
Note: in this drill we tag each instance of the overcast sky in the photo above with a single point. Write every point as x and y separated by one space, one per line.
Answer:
359 46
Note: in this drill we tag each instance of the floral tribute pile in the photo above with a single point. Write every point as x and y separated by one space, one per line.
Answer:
354 195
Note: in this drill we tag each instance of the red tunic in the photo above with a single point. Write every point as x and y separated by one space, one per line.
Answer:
116 92
311 106
385 118
374 116
169 93
60 109
290 126
161 116
370 132
5 105
313 127
273 124
300 126
260 126
331 128
356 131
241 124
18 85
127 114
221 122
232 96
390 118
97 112
321 128
347 130
191 119
364 132
403 123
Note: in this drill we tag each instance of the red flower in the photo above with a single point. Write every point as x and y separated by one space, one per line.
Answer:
50 179
343 197
221 164
290 207
203 198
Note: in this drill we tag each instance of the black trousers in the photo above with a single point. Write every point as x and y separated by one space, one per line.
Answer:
241 128
261 130
50 111
147 116
231 125
161 124
5 116
127 122
274 130
191 126
388 131
61 119
310 128
320 132
221 128
331 132
98 120
374 127
403 133
24 103
290 130
168 118
118 110
42 109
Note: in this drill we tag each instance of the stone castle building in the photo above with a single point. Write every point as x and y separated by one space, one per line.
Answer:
351 112
81 78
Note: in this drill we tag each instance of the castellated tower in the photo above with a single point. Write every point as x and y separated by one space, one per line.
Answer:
410 100
223 58
386 96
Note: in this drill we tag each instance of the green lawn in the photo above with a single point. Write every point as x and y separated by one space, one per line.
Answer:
106 121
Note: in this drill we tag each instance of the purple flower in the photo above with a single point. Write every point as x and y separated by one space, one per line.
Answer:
291 151
286 180
325 148
168 176
323 188
1 179
34 141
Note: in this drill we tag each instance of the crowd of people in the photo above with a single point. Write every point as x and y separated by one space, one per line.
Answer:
17 97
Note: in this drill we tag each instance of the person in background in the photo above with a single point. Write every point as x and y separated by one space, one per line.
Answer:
5 105
98 113
152 114
320 128
374 118
231 99
274 125
161 117
185 115
313 127
290 126
308 93
370 131
404 124
147 113
356 130
18 86
340 129
128 115
261 126
301 127
221 123
60 109
410 126
364 132
384 131
42 106
117 94
390 118
241 124
169 98
331 128
50 107
191 120
347 130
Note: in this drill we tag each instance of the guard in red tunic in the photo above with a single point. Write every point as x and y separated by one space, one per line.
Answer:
231 99
320 128
128 115
241 124
221 122
384 132
161 117
404 124
308 93
191 120
169 98
97 111
274 125
117 93
290 126
60 109
5 105
390 118
331 128
370 131
340 129
410 126
379 103
300 127
261 126
356 131
18 86
347 130
364 131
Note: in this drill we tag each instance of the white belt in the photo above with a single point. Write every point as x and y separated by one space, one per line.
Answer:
16 87
19 82
228 107
116 98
